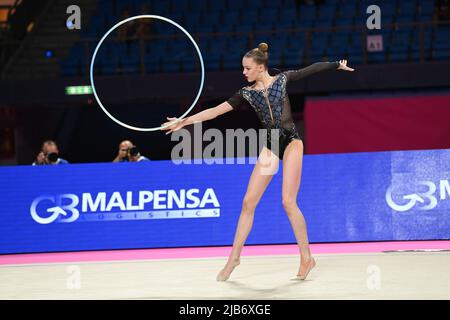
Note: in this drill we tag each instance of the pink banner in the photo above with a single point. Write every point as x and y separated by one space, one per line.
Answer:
377 124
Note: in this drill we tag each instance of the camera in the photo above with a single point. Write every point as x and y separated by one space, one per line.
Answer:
133 151
52 157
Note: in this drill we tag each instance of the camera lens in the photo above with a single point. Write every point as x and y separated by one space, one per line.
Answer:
52 157
134 151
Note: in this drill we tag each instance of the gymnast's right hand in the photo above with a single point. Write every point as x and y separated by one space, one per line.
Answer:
174 127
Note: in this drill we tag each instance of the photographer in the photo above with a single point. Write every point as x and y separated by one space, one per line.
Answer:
49 154
122 155
129 152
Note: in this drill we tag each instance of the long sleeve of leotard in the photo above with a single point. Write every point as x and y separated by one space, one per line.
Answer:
314 68
237 100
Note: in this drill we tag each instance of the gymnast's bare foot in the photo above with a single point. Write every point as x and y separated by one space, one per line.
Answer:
306 265
225 273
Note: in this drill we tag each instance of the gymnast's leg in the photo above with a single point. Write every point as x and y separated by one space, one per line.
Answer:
292 170
263 171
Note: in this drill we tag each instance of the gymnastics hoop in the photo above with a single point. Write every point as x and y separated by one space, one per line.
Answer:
91 71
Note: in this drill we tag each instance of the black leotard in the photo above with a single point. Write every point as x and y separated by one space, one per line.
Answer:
278 115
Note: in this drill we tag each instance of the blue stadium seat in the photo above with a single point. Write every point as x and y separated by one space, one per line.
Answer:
268 15
160 7
407 8
205 28
192 20
285 24
441 45
129 66
230 17
272 5
196 5
239 44
296 40
416 43
292 58
275 58
346 11
343 22
245 28
152 64
171 65
234 5
254 4
401 37
424 18
216 6
339 41
376 57
189 64
336 51
210 18
232 62
326 12
307 12
323 23
441 54
217 45
290 4
404 19
266 25
426 8
354 59
213 62
288 14
302 23
279 43
179 5
225 28
355 49
249 16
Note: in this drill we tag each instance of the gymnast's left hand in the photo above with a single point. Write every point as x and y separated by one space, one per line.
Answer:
343 66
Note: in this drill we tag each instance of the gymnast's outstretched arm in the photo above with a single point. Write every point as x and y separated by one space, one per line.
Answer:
317 67
204 115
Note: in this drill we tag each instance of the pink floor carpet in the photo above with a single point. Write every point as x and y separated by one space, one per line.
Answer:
207 252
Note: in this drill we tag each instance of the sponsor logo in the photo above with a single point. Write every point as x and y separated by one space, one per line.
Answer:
427 200
145 204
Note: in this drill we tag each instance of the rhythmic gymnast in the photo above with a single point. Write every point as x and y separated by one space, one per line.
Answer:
269 98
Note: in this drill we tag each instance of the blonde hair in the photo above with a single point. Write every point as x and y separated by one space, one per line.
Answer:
260 54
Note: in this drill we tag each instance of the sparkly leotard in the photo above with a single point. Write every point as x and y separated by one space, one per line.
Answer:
277 115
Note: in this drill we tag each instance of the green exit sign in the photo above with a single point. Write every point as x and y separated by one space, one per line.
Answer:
78 90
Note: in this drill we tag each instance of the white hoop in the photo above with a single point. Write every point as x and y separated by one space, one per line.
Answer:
95 54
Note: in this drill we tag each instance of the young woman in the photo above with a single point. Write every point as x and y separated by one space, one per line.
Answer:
268 97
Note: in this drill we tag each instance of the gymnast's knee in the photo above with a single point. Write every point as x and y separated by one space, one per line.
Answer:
249 204
289 203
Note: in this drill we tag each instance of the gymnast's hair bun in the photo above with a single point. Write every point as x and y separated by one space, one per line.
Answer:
264 47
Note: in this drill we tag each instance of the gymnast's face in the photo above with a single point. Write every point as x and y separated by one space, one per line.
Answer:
252 70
